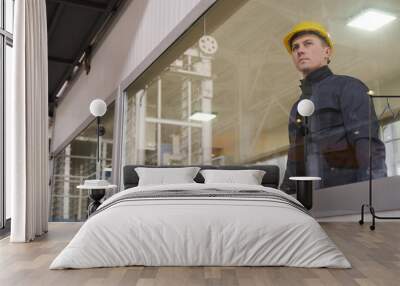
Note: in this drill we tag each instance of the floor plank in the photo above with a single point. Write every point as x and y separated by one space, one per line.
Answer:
375 257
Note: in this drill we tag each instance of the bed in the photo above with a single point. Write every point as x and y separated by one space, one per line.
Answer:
201 224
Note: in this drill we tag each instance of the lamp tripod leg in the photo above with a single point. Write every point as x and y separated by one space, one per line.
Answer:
372 210
361 221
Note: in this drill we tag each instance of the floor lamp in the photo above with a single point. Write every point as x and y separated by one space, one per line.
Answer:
370 206
304 190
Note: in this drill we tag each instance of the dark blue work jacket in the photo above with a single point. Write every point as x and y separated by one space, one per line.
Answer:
338 133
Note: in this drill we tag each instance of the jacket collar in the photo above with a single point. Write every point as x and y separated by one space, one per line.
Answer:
311 78
317 75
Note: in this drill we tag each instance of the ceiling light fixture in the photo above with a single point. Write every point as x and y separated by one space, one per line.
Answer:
202 116
371 20
62 89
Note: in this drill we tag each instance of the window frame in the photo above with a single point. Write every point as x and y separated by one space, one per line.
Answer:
6 39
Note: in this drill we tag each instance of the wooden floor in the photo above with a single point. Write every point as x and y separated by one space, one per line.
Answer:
375 257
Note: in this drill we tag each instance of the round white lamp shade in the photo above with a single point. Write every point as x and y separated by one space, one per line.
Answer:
305 107
98 107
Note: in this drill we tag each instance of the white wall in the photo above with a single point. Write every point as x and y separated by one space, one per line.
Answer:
143 31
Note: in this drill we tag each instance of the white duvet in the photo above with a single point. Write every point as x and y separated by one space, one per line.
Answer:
200 231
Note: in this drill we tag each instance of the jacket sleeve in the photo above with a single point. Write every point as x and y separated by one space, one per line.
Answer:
356 107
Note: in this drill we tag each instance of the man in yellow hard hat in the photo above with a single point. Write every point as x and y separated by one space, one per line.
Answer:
337 149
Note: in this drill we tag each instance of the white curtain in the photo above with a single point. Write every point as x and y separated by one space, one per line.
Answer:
27 123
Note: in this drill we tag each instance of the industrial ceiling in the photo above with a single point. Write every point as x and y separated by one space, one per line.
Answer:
74 27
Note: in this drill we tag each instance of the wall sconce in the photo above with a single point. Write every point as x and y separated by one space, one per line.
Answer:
305 108
98 108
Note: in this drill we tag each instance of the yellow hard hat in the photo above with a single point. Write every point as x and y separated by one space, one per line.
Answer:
307 26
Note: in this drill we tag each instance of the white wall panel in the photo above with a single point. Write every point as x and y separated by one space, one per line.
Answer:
140 32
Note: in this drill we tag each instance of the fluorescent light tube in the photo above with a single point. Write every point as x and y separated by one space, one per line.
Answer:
202 116
371 20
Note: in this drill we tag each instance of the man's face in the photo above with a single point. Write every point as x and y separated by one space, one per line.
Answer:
309 53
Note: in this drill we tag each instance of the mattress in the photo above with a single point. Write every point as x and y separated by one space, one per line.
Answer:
201 225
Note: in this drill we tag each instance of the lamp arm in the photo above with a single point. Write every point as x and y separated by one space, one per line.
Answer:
306 131
98 148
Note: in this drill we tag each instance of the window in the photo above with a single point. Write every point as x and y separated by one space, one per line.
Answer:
76 163
6 43
9 15
232 64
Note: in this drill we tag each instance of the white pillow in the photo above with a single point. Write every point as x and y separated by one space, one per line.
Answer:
162 176
248 177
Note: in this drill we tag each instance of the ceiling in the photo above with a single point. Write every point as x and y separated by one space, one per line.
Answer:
74 27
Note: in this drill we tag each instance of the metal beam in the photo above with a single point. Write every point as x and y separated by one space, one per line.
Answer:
61 60
94 31
83 3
